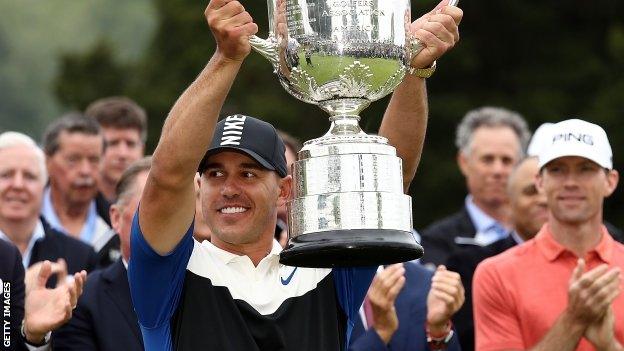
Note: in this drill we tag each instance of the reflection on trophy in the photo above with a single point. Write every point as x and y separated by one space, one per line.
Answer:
349 208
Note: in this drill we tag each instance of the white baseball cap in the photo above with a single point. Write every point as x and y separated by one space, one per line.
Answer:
541 138
575 137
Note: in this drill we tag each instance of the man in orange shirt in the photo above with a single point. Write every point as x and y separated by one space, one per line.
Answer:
561 290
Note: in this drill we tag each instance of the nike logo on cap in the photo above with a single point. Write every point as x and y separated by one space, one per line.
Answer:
233 130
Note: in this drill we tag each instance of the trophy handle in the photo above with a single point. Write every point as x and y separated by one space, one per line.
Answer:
265 47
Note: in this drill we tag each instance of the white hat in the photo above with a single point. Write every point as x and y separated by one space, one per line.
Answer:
540 139
575 137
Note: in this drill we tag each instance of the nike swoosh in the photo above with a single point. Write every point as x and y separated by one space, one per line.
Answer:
287 280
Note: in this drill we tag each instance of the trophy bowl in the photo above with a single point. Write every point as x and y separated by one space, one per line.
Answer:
348 207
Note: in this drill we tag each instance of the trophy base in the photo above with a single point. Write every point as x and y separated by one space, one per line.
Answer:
351 248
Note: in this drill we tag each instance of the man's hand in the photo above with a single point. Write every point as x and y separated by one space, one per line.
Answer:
601 333
382 293
231 27
58 268
591 293
437 31
47 309
445 298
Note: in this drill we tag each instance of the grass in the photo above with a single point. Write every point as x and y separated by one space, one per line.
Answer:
326 68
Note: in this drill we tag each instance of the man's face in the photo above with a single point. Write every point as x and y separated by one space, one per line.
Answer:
528 204
240 198
74 168
575 188
21 184
490 159
121 214
123 146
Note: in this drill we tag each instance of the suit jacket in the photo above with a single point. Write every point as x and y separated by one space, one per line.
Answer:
55 245
102 207
438 239
12 283
104 318
411 307
465 263
110 252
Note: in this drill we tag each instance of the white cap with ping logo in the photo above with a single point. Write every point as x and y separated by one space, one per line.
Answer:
575 137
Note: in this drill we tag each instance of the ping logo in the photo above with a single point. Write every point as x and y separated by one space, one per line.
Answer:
582 138
233 130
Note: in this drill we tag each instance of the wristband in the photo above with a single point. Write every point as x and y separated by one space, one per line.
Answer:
422 72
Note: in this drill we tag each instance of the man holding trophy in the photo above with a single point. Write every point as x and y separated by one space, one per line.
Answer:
233 293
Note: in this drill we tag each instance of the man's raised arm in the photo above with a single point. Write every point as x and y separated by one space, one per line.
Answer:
405 120
168 201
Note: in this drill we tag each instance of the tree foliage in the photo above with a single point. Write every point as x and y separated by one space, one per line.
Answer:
34 34
547 60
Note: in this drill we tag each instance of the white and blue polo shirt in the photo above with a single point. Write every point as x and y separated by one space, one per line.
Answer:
199 297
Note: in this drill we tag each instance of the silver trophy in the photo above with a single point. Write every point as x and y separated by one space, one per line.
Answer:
349 208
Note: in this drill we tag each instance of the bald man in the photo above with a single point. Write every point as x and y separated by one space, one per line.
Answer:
528 214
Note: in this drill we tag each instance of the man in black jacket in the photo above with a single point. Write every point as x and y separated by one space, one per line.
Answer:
490 142
24 176
104 318
45 309
528 214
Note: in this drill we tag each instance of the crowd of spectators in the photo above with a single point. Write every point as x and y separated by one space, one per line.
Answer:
547 265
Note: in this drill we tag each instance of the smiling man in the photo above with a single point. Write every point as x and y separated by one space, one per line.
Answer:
560 290
22 180
231 293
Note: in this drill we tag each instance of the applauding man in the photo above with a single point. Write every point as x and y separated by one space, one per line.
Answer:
561 289
409 309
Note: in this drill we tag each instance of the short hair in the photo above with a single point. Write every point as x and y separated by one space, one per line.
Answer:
491 117
73 122
128 179
13 139
290 141
119 112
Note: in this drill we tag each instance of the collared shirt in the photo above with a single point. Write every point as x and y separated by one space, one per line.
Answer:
239 306
519 294
38 233
516 237
488 229
90 229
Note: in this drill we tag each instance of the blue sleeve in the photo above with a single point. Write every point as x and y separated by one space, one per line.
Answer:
351 287
369 341
156 284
